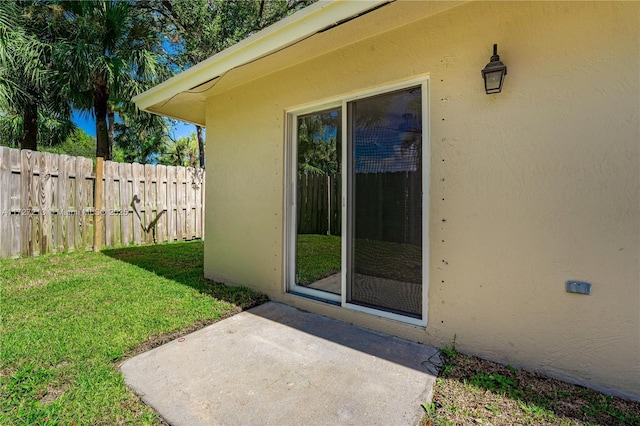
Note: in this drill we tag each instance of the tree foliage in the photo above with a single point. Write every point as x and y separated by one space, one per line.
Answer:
181 152
319 144
95 55
141 137
77 144
34 94
111 52
198 29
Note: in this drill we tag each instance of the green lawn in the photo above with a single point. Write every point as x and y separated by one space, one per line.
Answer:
318 256
68 320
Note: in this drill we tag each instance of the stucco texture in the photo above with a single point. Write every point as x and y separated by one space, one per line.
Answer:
537 185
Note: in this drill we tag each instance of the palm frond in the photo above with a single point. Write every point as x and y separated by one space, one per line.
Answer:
10 129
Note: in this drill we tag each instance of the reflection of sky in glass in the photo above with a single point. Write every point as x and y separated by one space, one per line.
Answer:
331 131
388 132
330 125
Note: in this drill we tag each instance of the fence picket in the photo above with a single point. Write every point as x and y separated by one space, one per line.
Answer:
55 202
108 202
87 201
26 184
79 208
47 203
189 204
149 203
62 204
116 209
45 199
199 191
5 202
172 202
162 204
72 213
125 201
16 221
180 202
137 198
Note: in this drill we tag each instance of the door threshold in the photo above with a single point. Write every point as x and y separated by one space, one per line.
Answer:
316 298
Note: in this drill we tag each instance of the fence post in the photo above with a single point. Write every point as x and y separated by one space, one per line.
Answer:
46 200
97 203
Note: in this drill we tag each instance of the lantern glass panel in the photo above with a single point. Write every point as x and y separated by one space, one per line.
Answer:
493 81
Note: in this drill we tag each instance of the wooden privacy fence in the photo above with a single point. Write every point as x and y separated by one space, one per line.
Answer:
318 202
387 206
54 203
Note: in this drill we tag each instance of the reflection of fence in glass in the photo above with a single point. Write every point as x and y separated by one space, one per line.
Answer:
388 207
49 201
319 198
392 214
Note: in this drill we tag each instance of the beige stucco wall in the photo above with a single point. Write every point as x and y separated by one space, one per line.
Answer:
538 185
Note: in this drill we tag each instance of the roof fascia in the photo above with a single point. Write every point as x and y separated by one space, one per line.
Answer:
285 32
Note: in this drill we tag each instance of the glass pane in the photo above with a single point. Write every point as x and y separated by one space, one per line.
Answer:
386 198
318 201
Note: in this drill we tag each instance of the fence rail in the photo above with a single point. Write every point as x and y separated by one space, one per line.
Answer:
54 203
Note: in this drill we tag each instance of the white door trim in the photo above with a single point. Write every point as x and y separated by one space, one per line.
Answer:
290 198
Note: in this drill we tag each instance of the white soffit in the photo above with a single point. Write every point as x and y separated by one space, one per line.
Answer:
301 24
280 46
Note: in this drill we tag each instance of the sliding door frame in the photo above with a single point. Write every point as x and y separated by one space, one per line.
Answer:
291 171
292 205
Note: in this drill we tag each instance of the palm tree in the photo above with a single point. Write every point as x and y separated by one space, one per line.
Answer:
181 152
139 136
34 106
318 144
109 50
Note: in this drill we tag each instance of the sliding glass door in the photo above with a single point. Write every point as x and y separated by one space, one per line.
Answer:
366 196
385 188
318 204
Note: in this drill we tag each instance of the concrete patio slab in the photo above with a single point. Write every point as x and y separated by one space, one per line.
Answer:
276 365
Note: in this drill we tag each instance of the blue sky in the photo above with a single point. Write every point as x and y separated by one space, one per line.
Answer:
87 123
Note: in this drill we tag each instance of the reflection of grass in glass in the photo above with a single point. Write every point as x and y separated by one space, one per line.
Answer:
395 261
318 257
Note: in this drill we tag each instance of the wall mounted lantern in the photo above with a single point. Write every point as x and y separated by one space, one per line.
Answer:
493 74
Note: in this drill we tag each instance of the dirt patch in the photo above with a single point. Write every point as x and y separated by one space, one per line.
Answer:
53 393
7 372
471 390
35 283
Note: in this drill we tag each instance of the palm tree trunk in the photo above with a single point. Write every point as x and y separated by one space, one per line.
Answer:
29 139
200 146
100 100
111 119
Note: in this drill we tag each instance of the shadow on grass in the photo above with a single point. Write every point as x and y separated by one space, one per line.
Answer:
183 262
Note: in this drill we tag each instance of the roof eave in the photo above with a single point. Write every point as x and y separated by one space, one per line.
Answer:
296 27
